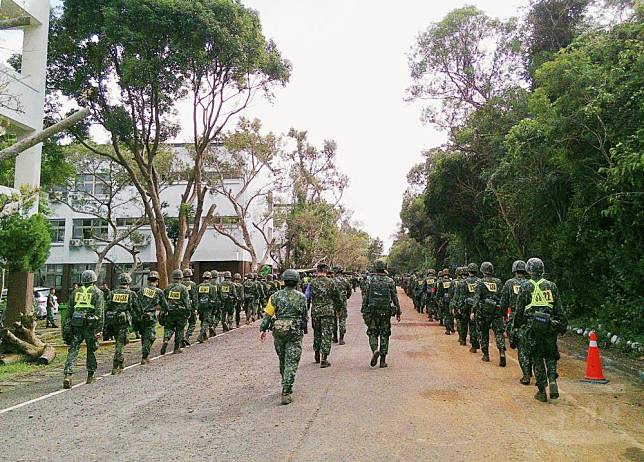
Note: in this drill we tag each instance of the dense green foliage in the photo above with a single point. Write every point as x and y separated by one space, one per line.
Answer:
556 171
24 241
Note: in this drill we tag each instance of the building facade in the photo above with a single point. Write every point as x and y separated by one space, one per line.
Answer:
74 247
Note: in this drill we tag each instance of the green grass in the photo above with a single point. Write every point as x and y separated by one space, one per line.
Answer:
21 368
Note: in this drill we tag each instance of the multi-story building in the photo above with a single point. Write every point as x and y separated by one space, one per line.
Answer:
73 248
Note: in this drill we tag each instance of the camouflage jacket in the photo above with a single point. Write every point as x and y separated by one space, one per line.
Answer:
192 292
178 298
487 297
229 292
547 299
123 306
325 296
287 304
150 298
510 292
374 298
207 296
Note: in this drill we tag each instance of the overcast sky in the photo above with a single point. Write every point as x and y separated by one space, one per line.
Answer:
349 78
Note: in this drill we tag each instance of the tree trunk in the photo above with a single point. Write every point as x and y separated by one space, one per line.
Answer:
20 322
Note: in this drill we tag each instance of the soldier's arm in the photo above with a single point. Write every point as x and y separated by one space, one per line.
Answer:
99 308
558 311
519 313
477 296
394 297
163 302
505 295
185 296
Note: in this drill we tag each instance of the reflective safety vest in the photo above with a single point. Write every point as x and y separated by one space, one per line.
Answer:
540 297
83 299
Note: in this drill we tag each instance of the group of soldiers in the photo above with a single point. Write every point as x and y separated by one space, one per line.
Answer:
220 297
527 308
325 295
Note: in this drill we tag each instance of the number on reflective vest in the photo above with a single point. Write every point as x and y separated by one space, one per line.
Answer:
471 287
83 298
174 295
516 288
120 298
147 292
204 289
491 286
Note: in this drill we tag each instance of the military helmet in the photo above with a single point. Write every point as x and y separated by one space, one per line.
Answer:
535 266
237 277
124 279
440 273
227 275
187 273
153 275
88 277
518 265
446 272
338 269
206 275
472 268
269 277
431 271
323 267
177 274
291 275
487 268
459 271
380 265
214 274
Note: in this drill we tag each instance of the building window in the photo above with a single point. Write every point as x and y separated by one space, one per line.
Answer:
128 222
89 228
51 276
77 270
93 184
227 220
57 229
138 277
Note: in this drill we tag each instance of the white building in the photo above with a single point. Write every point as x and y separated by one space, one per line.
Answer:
71 248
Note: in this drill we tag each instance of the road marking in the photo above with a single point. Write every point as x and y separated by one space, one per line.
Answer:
58 392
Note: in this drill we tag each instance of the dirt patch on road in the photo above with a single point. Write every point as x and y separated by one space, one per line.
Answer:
441 395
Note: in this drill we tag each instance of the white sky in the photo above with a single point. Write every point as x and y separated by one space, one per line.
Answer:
349 77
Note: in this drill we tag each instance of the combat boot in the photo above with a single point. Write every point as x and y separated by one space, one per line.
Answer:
225 327
324 363
383 362
341 342
212 331
541 395
185 343
525 380
164 348
177 350
115 369
448 332
485 358
200 339
502 361
67 381
374 358
90 378
554 390
317 357
286 398
473 350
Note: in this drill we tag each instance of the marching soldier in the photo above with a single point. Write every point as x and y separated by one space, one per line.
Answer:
150 298
324 298
488 312
178 311
208 303
84 322
122 307
192 291
239 303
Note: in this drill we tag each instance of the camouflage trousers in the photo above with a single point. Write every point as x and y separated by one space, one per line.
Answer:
523 354
148 336
174 325
289 351
496 324
238 310
89 336
378 330
227 313
250 308
121 332
192 324
206 317
467 325
446 315
543 353
322 333
342 320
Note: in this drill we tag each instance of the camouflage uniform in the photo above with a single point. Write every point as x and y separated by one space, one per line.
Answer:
150 298
122 306
84 321
454 313
509 296
325 299
179 308
488 312
340 323
286 313
194 298
208 304
239 304
427 304
539 308
253 293
379 296
464 304
229 296
443 297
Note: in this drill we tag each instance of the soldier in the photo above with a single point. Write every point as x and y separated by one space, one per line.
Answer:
178 311
287 315
150 298
377 311
228 300
250 297
239 303
84 322
121 308
488 313
465 305
428 302
51 303
208 304
443 296
455 312
325 298
194 303
539 308
341 316
509 296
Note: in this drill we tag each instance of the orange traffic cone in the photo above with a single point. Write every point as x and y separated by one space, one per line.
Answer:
594 372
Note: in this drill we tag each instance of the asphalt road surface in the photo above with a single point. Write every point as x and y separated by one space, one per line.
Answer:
436 401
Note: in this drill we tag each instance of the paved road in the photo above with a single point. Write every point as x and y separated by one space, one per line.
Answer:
436 401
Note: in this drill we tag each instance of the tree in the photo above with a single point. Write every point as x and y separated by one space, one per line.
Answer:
461 62
251 157
375 250
131 60
24 246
